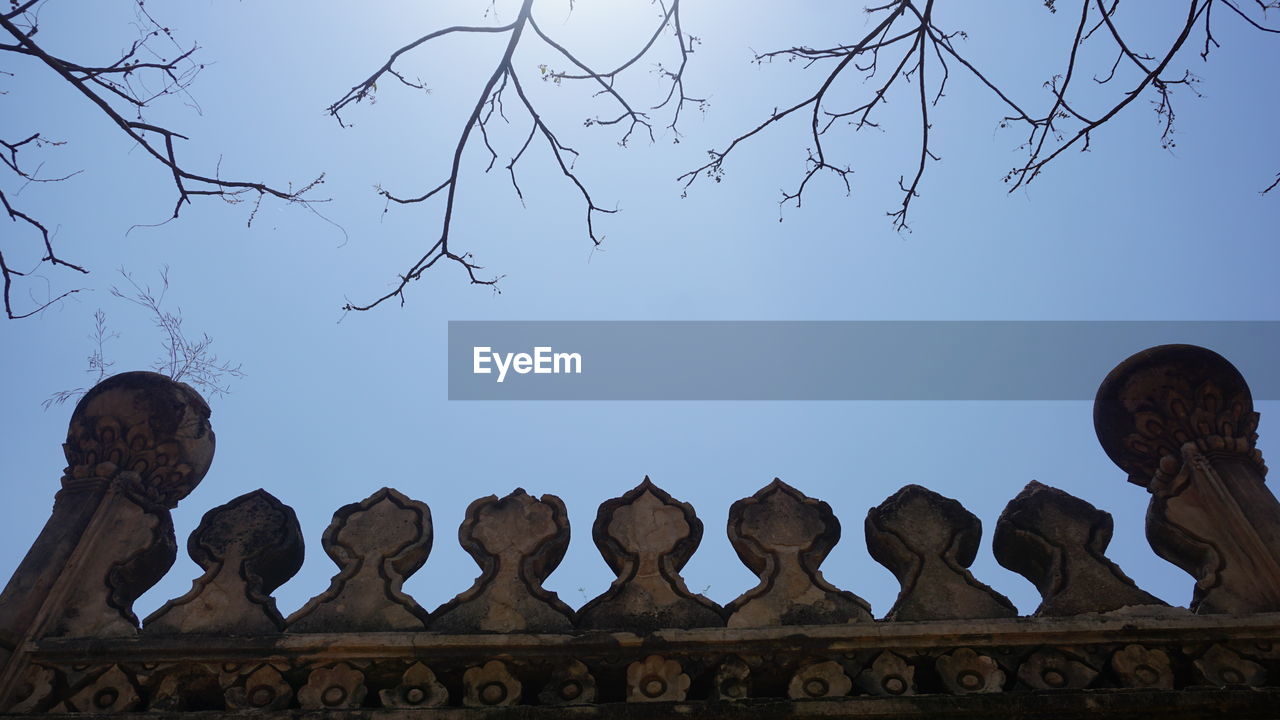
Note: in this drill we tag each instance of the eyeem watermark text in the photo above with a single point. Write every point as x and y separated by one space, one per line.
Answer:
542 361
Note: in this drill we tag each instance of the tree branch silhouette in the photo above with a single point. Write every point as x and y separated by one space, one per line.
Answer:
120 91
488 105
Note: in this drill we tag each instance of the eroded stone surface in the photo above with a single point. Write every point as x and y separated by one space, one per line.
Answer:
647 536
1058 541
929 541
517 541
783 536
247 548
377 543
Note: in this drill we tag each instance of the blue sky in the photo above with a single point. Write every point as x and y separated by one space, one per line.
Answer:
335 407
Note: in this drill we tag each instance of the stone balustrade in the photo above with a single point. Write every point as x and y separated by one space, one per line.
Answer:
1177 419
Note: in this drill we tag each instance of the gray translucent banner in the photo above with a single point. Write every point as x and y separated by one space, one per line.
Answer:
818 360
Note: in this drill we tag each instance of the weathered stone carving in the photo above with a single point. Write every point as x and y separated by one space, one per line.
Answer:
263 689
1052 669
141 423
34 690
656 679
570 684
1140 667
1058 541
1221 666
646 537
111 692
338 687
929 541
376 543
819 680
889 674
418 688
137 444
517 541
732 680
248 548
186 686
965 672
1179 420
491 685
782 535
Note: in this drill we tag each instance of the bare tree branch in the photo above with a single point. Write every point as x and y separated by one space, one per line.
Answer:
488 105
120 81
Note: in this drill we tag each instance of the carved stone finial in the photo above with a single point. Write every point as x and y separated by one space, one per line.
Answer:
517 541
376 543
1162 398
248 548
1179 420
137 443
145 424
1058 541
783 535
929 541
647 536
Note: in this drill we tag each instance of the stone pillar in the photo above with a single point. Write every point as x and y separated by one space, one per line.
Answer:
1179 420
137 444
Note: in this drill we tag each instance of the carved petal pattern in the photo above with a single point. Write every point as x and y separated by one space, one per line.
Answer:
418 688
656 679
965 671
889 674
819 680
490 686
340 686
1141 667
